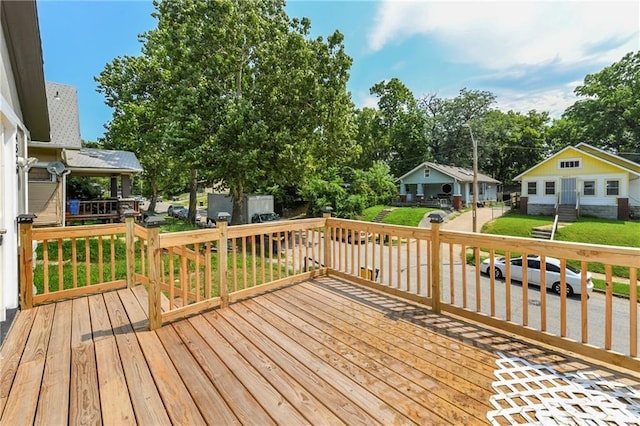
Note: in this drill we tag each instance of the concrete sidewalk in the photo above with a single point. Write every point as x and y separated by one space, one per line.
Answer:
464 222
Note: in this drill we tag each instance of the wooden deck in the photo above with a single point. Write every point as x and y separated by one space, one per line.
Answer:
320 352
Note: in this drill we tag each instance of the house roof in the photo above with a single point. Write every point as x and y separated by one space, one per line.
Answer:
62 102
101 160
19 21
460 174
593 152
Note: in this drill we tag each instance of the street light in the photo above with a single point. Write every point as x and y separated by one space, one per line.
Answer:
475 178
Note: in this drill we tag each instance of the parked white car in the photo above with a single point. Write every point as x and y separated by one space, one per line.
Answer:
573 276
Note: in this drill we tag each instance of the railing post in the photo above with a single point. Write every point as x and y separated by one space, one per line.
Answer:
153 256
326 214
436 264
221 224
25 224
129 219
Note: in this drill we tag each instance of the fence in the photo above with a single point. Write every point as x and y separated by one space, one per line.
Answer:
188 272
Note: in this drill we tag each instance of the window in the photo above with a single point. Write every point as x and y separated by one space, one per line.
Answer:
589 187
426 173
570 164
40 174
516 262
553 268
533 264
532 188
549 188
613 187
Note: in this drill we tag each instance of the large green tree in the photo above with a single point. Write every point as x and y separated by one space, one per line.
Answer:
510 143
256 100
449 140
133 89
607 114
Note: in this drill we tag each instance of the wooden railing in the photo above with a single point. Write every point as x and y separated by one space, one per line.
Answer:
436 267
112 209
188 272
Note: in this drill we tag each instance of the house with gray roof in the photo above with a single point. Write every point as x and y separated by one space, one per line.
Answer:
65 156
448 185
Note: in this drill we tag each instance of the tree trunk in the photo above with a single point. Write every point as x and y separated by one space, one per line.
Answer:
154 196
237 199
193 195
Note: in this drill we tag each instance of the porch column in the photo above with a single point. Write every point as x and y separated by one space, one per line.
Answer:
126 186
402 188
114 186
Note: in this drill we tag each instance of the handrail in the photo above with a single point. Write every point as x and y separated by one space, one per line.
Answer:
555 227
187 272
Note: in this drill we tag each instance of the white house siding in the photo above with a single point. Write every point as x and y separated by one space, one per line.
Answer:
12 198
599 205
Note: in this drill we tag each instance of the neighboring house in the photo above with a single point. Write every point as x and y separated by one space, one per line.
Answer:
429 181
23 116
585 179
64 156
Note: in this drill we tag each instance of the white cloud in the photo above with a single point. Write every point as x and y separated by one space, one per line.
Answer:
554 100
499 35
367 101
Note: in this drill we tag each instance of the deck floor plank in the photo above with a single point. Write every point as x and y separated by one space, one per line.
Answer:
84 398
360 374
23 399
324 351
53 405
303 376
145 398
428 393
244 405
115 402
177 401
204 393
11 352
306 402
464 381
405 313
278 407
382 411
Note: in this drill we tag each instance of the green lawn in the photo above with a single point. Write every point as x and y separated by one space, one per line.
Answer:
406 216
585 230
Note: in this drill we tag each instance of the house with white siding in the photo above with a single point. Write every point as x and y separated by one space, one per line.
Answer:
23 117
583 180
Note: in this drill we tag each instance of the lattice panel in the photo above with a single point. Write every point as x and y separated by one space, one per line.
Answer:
537 394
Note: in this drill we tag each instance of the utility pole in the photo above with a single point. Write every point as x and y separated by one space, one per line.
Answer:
475 179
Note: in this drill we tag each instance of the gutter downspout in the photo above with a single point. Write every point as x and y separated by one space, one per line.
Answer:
64 197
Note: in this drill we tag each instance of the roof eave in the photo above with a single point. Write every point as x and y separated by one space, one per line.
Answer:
22 34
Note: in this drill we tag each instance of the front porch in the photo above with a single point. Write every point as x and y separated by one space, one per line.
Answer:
324 351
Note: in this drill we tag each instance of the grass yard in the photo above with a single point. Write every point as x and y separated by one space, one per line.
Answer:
585 230
405 216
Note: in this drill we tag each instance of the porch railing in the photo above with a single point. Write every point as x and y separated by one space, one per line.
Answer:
188 272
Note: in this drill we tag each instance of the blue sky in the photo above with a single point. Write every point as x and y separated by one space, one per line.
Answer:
531 55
